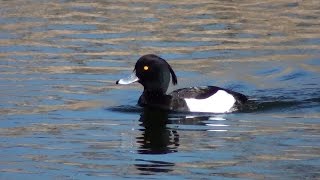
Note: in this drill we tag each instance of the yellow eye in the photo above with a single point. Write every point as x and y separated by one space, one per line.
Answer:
146 68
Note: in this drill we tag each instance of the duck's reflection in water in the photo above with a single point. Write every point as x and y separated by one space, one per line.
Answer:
151 166
158 138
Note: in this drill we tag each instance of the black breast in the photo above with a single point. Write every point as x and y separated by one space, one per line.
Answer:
162 101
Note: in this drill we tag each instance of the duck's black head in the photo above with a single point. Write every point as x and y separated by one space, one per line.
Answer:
153 73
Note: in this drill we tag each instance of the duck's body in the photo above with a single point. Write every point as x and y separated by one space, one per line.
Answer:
154 72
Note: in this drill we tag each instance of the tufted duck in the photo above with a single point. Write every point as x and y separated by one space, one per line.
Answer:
153 73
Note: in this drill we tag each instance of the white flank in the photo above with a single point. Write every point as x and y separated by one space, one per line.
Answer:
220 102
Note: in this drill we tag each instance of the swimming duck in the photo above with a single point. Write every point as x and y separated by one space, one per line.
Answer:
153 73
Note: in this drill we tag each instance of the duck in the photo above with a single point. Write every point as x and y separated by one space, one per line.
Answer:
154 74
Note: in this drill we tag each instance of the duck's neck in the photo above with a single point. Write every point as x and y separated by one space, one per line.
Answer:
153 93
157 98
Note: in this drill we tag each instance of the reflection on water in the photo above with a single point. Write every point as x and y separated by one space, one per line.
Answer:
151 167
157 139
160 135
63 117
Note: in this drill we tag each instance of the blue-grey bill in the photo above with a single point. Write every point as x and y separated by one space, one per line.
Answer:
131 79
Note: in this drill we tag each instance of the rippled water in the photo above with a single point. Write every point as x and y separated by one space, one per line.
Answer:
63 117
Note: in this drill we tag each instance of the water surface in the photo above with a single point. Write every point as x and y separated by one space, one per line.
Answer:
63 116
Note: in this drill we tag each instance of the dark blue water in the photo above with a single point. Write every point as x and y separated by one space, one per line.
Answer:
63 117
